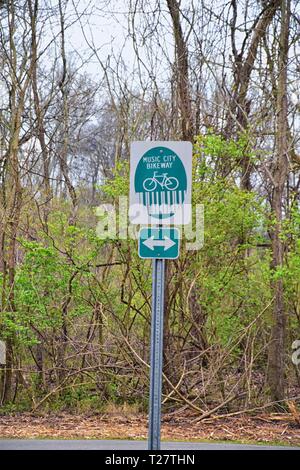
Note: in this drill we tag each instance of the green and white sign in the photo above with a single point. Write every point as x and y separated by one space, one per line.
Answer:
160 183
161 243
160 196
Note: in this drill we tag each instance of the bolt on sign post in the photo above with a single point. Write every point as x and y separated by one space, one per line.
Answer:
160 197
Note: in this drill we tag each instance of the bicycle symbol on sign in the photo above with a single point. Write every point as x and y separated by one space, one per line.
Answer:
163 180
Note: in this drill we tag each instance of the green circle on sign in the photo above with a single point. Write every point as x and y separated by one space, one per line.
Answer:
160 178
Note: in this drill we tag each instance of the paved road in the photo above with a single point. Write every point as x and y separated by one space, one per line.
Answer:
18 444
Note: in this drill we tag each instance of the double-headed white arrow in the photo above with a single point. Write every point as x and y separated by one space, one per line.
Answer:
166 243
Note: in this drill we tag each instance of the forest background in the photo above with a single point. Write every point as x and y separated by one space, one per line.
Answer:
80 80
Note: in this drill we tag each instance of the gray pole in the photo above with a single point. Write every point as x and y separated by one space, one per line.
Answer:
157 322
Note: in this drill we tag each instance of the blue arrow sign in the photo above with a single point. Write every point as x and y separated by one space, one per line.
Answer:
162 243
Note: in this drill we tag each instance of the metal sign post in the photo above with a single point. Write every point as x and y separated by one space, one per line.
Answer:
160 197
156 361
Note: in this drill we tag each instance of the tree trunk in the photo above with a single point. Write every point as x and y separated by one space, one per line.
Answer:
182 69
239 106
38 107
276 366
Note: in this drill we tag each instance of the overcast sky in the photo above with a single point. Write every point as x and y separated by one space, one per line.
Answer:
104 24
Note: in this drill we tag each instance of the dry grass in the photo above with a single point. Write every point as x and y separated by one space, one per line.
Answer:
257 429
